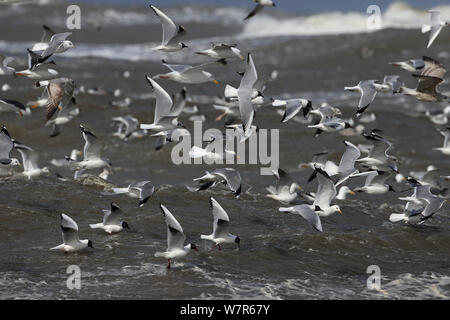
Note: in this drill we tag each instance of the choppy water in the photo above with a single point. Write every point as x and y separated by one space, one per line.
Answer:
281 257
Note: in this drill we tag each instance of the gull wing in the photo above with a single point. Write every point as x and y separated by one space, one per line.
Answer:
112 216
221 219
29 157
92 147
368 93
232 177
255 10
6 145
54 43
446 134
47 34
69 229
176 67
347 163
326 191
245 94
59 94
163 100
309 215
175 235
169 28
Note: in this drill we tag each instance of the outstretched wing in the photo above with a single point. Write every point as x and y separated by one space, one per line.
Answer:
175 235
221 219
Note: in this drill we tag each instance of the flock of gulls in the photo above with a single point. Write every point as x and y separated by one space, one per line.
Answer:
373 161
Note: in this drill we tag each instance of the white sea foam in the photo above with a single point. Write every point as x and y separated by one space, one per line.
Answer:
397 15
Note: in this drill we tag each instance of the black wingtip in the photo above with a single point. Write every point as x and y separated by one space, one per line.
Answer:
148 80
114 206
237 193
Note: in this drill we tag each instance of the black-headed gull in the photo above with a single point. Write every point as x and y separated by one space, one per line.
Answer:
228 176
286 188
368 90
141 190
6 145
189 74
30 157
92 158
326 192
307 212
175 239
4 68
171 33
245 95
163 119
375 182
445 149
71 242
221 226
260 4
111 220
435 26
222 51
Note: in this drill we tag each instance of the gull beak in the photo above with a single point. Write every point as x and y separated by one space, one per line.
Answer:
34 106
340 211
306 166
215 81
218 118
352 193
19 74
242 58
299 188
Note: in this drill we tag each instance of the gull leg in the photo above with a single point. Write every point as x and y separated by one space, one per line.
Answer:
218 246
168 263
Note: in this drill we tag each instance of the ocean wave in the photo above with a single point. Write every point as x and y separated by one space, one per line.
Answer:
397 15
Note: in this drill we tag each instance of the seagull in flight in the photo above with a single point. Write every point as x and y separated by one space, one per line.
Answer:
175 239
163 119
307 212
260 4
285 190
111 220
435 26
228 176
171 33
142 190
445 149
221 226
222 51
431 76
71 242
4 68
6 145
30 161
368 90
245 91
189 74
